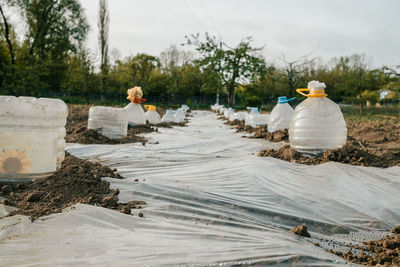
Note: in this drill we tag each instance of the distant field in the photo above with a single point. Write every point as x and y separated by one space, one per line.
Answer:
386 113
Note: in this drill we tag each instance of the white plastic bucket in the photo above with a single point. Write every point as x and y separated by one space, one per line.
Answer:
32 132
108 121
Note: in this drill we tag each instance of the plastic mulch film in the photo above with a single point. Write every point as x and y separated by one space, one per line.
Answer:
210 201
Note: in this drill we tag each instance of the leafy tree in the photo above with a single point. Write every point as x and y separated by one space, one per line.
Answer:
233 65
81 76
54 28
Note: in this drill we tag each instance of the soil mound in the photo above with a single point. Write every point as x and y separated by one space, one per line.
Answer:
300 230
277 136
351 153
261 132
79 133
77 181
383 252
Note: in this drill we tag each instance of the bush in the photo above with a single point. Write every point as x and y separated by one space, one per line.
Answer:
253 101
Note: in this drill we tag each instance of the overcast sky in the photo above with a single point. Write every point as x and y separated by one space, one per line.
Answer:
323 28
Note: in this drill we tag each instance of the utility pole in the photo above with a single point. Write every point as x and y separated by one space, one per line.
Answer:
217 100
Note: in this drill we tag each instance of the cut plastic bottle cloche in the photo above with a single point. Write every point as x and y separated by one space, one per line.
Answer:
281 115
152 115
317 123
32 132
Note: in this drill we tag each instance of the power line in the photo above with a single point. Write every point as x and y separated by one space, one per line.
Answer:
210 19
194 15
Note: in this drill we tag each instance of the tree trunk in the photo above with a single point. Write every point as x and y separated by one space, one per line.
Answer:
231 89
7 36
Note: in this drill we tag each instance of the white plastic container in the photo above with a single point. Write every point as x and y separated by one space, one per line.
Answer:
317 122
152 115
251 119
32 132
108 121
179 115
260 120
135 114
228 112
281 115
185 108
169 116
218 107
238 116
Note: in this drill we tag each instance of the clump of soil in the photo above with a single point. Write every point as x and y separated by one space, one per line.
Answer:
385 251
277 136
261 132
77 181
300 230
79 133
240 126
234 122
351 153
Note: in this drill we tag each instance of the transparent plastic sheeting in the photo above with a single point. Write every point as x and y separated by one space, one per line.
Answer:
211 201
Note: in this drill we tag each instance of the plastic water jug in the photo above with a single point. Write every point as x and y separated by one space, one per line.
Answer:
250 118
32 132
241 116
135 114
168 116
218 107
281 115
179 115
222 110
185 108
228 112
317 122
152 115
108 121
260 120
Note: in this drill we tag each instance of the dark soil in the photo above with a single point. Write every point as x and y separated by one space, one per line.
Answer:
300 230
368 144
260 132
382 252
77 181
77 131
351 153
277 136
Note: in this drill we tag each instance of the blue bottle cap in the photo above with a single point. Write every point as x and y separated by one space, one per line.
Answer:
283 99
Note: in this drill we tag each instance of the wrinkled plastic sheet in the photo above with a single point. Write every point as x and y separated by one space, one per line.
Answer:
211 201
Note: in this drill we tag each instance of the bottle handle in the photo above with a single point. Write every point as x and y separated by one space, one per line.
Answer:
301 90
319 93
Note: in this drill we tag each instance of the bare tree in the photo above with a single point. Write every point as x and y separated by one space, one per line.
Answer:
103 24
294 70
